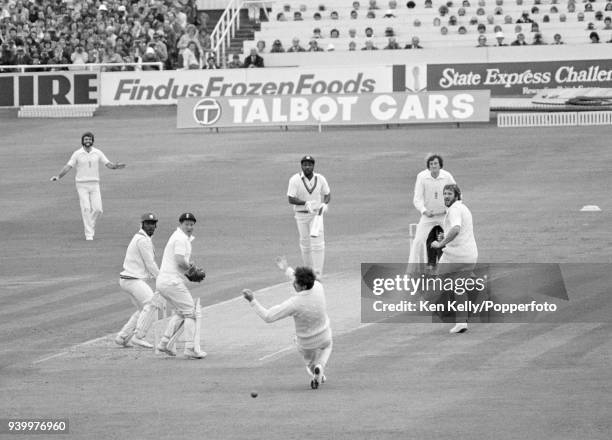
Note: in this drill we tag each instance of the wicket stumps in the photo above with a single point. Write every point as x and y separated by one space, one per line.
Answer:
411 234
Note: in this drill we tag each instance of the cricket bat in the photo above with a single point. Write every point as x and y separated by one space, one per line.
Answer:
317 224
198 320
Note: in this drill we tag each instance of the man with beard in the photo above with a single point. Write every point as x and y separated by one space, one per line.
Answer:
458 243
86 160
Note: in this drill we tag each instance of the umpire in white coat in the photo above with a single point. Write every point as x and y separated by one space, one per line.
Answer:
429 201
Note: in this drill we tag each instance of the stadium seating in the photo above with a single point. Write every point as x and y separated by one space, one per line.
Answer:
419 21
96 26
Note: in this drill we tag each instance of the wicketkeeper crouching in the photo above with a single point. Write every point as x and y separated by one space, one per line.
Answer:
308 308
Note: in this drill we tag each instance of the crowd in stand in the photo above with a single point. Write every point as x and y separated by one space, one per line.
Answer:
78 32
447 22
174 34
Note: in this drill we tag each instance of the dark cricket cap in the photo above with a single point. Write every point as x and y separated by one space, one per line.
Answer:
307 158
148 217
187 216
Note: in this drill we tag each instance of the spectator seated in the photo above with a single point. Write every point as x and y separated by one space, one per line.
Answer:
79 32
439 24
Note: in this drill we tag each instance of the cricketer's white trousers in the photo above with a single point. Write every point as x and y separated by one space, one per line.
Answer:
90 200
312 248
140 294
139 291
174 290
418 251
449 267
316 356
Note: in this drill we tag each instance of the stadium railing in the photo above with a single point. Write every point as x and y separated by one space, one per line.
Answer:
80 67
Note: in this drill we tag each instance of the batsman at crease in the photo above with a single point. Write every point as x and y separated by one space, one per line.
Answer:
309 194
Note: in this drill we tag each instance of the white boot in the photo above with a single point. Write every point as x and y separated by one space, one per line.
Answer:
141 342
122 340
192 353
460 327
163 347
318 377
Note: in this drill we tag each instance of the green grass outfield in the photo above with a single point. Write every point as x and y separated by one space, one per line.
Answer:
505 381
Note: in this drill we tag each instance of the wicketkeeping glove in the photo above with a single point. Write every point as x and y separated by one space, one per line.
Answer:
195 274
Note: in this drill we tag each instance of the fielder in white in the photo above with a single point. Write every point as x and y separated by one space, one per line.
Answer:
86 160
138 266
309 194
458 243
428 200
171 285
313 335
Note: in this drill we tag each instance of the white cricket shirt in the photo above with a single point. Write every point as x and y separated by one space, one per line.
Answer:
309 311
308 190
428 191
139 259
463 248
87 165
179 243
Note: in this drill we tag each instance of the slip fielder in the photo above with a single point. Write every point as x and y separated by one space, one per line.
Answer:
429 201
86 160
171 285
309 194
458 243
138 266
307 306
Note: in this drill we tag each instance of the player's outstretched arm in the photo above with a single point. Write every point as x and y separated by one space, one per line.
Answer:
275 313
115 165
248 294
281 263
61 174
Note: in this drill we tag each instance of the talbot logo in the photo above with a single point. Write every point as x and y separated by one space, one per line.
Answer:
207 111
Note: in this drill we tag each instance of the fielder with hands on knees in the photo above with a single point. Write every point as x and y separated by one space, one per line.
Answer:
176 265
308 308
138 266
309 194
458 242
86 160
428 200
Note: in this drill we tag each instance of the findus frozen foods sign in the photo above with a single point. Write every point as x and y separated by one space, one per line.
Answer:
155 88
